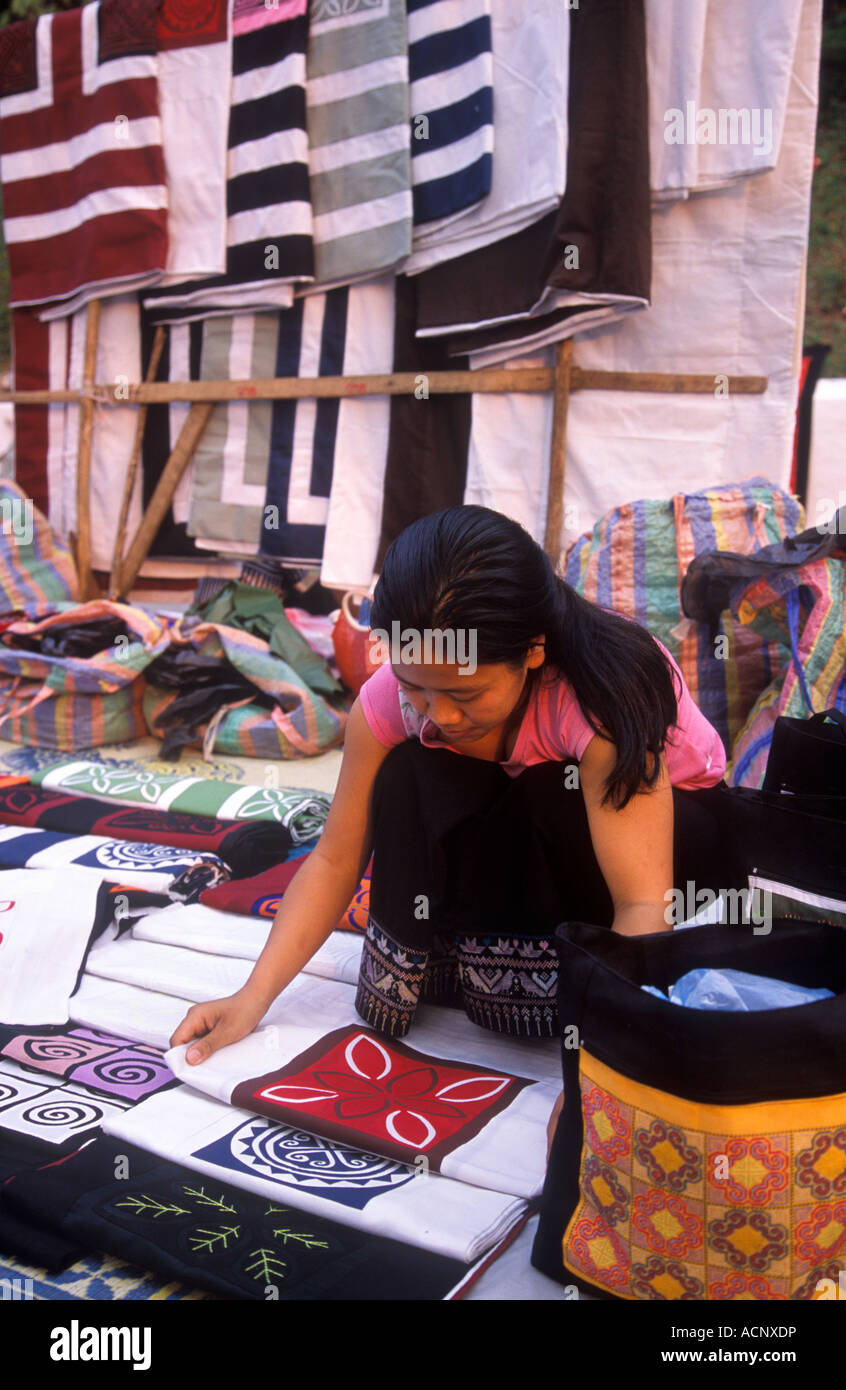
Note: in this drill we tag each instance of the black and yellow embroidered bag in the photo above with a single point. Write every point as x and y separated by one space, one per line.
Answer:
700 1155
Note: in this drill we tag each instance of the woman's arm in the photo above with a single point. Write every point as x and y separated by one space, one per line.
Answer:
634 846
313 903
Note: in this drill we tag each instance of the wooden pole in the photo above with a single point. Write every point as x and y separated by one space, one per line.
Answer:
486 381
558 450
83 462
189 436
132 470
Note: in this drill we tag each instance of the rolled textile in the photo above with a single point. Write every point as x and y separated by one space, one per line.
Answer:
302 812
318 1177
260 896
130 862
231 1242
245 848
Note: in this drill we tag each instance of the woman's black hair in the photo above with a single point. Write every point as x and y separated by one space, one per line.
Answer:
473 568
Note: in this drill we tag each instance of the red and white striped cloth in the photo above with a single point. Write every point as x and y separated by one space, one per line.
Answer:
84 189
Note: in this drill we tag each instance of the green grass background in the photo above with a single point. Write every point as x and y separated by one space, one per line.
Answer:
825 316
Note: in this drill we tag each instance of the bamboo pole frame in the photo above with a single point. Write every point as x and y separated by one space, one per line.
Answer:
484 381
561 379
132 468
83 463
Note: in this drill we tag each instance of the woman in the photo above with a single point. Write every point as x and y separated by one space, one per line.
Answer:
583 788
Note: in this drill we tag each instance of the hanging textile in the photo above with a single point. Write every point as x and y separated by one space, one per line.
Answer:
450 73
42 950
138 865
426 466
319 1178
109 1065
277 474
482 1126
269 219
358 137
39 362
589 262
241 847
727 274
84 190
303 813
530 70
118 360
218 1237
195 72
693 88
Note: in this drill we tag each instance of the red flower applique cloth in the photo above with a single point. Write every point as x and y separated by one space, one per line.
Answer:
475 1123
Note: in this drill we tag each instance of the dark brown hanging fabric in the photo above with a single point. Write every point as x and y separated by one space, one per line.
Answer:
429 436
605 210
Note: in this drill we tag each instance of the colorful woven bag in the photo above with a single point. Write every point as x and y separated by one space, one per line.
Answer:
700 1155
300 724
635 558
805 609
36 573
71 703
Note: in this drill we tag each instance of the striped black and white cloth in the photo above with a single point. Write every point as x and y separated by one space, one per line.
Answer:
450 68
269 218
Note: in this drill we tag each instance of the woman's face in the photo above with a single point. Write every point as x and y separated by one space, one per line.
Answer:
466 707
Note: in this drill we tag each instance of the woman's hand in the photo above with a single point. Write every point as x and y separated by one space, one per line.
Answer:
217 1024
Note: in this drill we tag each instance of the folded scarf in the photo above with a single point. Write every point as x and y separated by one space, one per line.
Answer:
217 1236
246 849
303 813
130 862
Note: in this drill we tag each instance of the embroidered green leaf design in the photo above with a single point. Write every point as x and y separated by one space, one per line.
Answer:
212 1238
150 1206
309 1241
206 1201
272 1207
267 1265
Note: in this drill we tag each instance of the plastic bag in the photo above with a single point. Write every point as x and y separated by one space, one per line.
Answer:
736 991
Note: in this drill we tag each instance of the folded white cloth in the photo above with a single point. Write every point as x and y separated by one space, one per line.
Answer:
344 1184
199 928
478 1124
46 921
